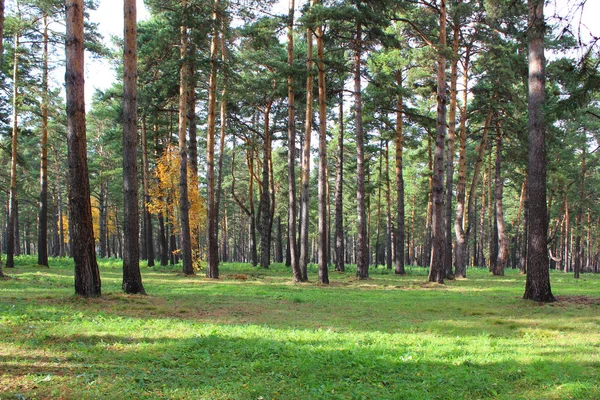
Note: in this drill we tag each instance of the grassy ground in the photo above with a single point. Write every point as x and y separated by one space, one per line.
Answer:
255 335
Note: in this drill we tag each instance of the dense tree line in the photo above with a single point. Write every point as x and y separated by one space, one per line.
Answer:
375 133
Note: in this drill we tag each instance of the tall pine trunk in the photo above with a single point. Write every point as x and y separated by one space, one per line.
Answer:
339 199
43 212
292 249
146 199
436 270
11 241
184 204
502 258
305 176
132 278
362 251
323 195
81 232
212 265
265 198
537 285
400 227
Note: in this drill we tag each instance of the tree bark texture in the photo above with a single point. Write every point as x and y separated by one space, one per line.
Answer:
323 195
87 275
184 204
400 226
265 198
212 220
132 278
500 262
11 241
43 210
362 251
436 270
339 190
537 285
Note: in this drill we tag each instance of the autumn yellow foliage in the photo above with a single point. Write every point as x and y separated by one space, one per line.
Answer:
164 197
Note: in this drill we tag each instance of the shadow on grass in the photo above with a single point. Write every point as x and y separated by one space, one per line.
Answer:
216 365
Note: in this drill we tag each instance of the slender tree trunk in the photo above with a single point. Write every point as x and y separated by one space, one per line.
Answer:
388 210
146 199
184 204
103 217
265 198
87 275
461 189
450 155
339 188
400 226
212 265
162 238
362 251
11 241
323 197
579 218
436 271
500 262
537 285
294 256
132 278
43 212
304 206
223 121
524 239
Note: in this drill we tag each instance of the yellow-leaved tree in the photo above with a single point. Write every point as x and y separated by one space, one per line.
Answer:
164 198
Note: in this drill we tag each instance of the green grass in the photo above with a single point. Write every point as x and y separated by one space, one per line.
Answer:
255 335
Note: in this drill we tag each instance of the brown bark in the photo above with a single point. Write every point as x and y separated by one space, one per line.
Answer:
146 197
292 249
223 121
305 175
132 278
579 219
11 242
339 189
43 211
537 285
400 226
450 155
265 197
460 269
184 204
87 276
500 262
362 251
212 218
388 210
323 197
436 270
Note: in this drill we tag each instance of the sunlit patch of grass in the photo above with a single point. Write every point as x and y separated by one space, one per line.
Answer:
254 334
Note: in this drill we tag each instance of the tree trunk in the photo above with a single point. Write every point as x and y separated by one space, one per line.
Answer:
362 251
43 212
87 275
388 210
305 176
292 250
462 244
537 285
146 199
524 239
132 278
579 218
184 204
339 188
223 121
103 211
323 197
501 259
11 241
212 218
162 238
436 271
265 198
400 226
450 155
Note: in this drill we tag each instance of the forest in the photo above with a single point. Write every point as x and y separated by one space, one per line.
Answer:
441 134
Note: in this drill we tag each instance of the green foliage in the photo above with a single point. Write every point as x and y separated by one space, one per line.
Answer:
253 335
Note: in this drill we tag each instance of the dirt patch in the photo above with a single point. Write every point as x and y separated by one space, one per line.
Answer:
577 300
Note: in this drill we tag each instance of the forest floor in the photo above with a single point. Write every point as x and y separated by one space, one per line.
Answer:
253 334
